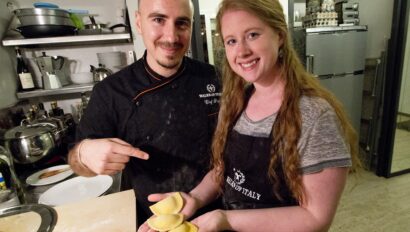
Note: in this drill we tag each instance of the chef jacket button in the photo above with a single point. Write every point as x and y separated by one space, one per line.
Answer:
138 103
174 86
149 138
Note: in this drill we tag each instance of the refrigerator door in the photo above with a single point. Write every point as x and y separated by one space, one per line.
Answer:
335 53
348 90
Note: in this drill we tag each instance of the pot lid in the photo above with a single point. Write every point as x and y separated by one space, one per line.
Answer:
32 216
19 132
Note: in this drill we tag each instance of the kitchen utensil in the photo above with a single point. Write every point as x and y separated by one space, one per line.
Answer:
52 68
94 24
46 222
53 173
76 189
34 179
42 22
30 143
100 73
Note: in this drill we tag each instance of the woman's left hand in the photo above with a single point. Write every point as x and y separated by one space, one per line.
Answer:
212 221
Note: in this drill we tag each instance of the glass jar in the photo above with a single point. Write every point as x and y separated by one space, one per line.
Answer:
11 192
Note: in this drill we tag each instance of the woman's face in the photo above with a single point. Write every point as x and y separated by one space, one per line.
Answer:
251 46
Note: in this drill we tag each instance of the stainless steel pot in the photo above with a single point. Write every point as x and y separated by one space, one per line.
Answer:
30 143
43 16
42 22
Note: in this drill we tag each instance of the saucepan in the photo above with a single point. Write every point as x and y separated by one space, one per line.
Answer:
99 28
29 143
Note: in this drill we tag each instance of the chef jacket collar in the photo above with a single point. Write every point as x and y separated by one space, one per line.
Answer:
154 76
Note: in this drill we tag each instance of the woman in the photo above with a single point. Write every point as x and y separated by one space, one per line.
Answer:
283 145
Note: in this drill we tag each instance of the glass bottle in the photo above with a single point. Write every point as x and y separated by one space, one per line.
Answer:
25 78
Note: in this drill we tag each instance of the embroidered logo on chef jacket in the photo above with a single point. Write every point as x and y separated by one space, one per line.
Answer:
236 181
211 97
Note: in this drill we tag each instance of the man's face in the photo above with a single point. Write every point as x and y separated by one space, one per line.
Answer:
165 26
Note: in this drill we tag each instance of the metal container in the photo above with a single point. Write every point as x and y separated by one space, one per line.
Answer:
100 73
29 143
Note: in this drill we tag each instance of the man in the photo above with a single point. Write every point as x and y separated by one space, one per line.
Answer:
154 119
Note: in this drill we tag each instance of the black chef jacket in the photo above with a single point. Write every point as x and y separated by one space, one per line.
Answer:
172 119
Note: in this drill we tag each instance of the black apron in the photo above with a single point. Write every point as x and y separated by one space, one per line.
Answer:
247 185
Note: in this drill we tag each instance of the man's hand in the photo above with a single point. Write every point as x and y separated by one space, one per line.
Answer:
107 156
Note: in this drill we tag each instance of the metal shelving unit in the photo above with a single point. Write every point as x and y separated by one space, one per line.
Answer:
17 40
48 92
61 40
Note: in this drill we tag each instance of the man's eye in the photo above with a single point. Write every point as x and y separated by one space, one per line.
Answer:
182 24
158 20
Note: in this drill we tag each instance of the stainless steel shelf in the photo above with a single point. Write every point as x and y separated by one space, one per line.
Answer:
48 92
19 41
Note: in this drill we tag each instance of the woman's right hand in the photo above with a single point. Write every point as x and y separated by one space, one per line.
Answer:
191 204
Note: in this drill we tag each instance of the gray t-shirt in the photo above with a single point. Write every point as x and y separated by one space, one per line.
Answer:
321 144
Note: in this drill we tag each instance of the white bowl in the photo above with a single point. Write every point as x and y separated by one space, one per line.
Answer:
82 78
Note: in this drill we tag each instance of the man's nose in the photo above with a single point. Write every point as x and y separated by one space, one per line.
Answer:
171 33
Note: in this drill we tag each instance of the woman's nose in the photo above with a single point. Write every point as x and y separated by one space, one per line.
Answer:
243 49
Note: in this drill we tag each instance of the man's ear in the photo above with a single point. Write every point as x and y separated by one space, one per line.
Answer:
138 21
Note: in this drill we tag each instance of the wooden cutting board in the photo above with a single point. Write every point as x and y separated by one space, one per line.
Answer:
110 213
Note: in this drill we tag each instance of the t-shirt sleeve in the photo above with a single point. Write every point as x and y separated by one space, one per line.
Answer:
322 144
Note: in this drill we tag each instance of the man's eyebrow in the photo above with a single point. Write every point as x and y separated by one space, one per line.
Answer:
187 19
157 15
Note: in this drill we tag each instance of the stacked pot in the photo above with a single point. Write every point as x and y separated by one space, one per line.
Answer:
43 22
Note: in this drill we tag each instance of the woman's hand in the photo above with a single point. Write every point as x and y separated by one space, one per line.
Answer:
191 204
212 221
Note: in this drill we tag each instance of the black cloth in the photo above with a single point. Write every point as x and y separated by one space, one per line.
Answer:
172 119
247 185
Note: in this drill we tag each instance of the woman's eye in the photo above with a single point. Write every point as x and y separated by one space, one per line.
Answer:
230 42
253 35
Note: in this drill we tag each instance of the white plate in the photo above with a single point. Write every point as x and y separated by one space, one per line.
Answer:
76 189
36 181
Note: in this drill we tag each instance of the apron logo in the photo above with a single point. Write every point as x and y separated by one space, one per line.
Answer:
239 177
211 88
211 97
235 183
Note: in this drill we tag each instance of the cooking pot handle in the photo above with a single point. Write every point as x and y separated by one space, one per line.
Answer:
24 122
43 124
118 25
